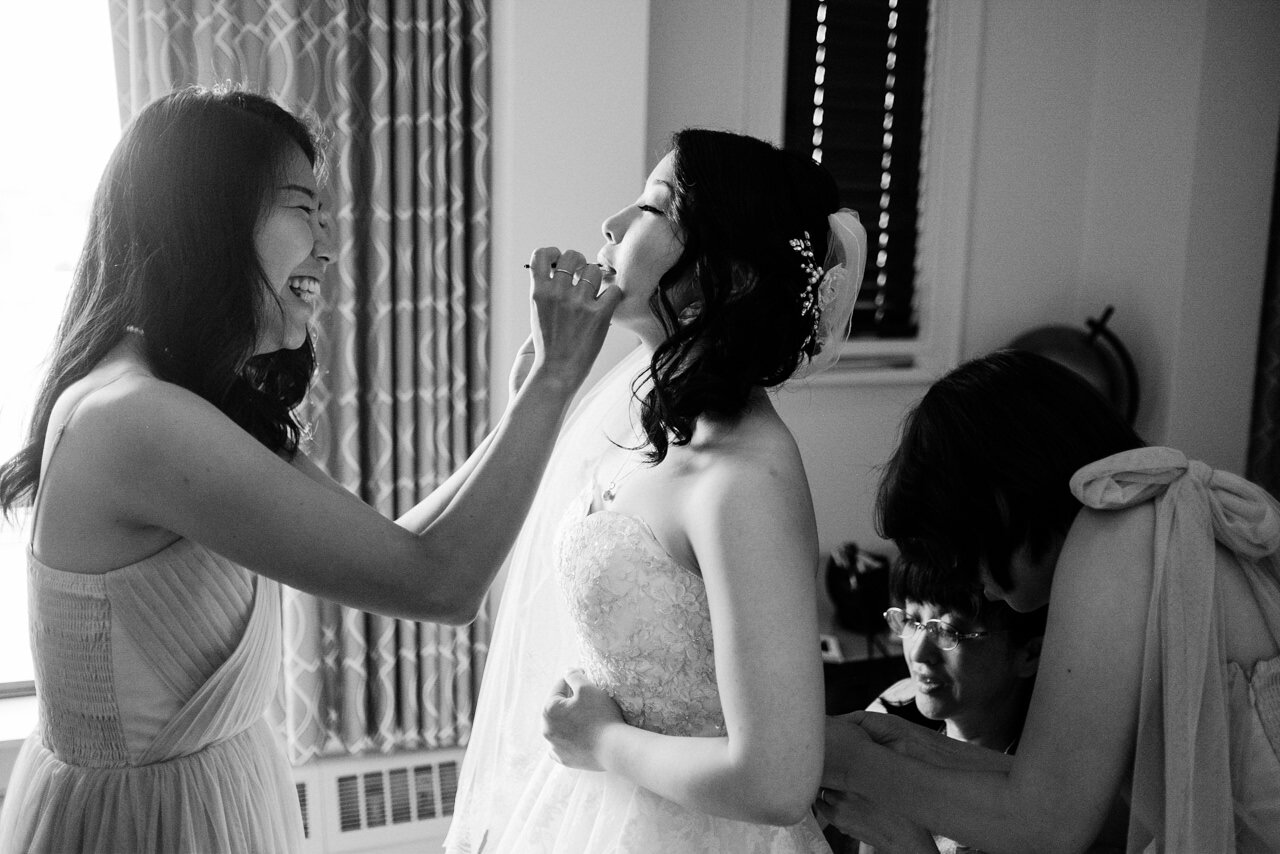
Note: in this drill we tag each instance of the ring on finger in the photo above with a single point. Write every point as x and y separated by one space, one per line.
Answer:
563 270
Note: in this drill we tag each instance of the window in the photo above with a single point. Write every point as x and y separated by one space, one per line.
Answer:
855 101
883 93
53 156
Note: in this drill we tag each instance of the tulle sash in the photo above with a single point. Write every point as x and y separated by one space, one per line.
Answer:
1182 769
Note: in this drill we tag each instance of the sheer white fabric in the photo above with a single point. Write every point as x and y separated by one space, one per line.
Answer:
838 289
598 592
534 642
153 680
1206 774
644 631
512 796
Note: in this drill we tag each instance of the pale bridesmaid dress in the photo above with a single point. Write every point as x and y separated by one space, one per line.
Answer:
152 682
1206 775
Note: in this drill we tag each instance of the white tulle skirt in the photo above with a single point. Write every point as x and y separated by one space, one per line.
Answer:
512 796
234 796
566 810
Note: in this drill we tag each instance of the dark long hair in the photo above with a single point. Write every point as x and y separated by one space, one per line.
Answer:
985 460
170 249
739 201
954 595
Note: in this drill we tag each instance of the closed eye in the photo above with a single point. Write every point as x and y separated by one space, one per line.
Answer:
651 209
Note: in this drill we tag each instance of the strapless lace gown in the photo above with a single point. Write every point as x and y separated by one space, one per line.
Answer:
644 631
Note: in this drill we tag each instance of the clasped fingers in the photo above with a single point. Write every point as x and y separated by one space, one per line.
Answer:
570 311
573 719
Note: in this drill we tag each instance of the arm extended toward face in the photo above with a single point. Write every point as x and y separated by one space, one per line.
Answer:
1077 744
754 536
184 467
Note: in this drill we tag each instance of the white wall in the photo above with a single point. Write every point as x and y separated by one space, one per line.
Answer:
716 64
1181 164
1125 155
569 90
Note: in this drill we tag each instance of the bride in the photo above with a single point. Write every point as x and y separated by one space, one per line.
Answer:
662 591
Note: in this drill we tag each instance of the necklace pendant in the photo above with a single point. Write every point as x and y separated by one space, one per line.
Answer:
610 491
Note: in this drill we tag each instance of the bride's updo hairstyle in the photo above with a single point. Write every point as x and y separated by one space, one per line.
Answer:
740 203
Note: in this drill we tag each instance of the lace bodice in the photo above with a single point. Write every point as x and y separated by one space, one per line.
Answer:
642 622
597 592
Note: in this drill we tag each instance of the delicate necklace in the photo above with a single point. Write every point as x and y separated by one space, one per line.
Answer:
611 491
135 330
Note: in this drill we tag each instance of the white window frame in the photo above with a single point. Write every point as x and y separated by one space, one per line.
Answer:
942 261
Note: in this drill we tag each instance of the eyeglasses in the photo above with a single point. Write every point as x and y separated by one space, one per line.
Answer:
943 636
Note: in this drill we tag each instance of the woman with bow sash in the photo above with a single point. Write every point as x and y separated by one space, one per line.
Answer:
1160 674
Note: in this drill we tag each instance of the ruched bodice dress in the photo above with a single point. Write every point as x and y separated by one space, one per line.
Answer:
152 682
644 632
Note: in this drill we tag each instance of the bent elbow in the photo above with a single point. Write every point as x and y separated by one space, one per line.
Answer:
451 594
455 610
446 604
785 813
782 806
777 810
461 613
1062 840
778 787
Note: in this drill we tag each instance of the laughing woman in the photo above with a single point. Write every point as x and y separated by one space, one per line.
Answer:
171 498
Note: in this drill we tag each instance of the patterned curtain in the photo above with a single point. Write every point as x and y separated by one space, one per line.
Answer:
402 392
1264 435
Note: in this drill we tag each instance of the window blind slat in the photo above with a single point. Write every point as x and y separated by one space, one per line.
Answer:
858 77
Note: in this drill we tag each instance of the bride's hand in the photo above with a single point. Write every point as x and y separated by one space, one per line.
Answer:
574 719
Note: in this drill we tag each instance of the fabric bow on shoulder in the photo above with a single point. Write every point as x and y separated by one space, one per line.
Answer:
1182 765
1245 517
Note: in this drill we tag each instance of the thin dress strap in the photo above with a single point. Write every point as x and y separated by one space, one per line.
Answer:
53 449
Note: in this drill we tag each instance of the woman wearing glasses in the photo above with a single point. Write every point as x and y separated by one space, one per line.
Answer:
972 663
1160 673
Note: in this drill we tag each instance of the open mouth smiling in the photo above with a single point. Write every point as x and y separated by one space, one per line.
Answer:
305 288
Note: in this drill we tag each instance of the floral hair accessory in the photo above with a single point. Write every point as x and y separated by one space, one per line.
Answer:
811 301
804 246
832 290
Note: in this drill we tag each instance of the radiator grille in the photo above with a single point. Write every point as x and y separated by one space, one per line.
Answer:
306 811
378 803
396 795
